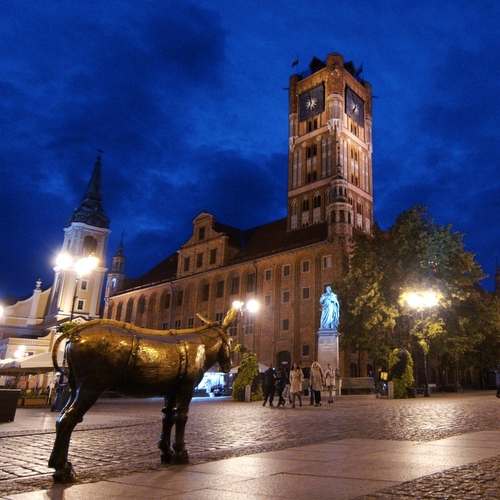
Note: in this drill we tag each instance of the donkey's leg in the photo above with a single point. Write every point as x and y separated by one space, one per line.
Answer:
181 454
168 421
70 416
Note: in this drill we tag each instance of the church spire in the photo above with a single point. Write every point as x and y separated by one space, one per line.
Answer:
90 211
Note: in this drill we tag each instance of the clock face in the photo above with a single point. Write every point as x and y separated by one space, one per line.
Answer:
354 106
312 102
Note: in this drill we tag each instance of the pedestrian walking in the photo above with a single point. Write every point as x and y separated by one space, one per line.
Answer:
280 385
270 386
296 379
330 381
316 381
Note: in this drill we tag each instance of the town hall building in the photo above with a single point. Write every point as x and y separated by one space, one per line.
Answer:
286 264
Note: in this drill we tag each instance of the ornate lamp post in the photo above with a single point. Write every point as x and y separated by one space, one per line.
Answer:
421 301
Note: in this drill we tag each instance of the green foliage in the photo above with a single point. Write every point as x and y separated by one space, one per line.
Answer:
401 372
64 327
248 374
416 255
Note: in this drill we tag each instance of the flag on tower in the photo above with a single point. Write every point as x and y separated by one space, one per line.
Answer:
295 63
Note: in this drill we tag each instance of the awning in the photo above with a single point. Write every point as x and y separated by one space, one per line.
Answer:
39 363
262 368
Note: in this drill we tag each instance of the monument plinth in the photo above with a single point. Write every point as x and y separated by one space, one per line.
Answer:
328 347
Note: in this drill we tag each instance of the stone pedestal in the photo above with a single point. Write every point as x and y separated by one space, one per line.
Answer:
328 348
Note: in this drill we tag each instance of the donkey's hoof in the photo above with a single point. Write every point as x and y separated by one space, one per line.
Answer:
65 474
182 457
167 458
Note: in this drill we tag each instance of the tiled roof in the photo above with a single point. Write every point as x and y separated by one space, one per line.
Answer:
256 243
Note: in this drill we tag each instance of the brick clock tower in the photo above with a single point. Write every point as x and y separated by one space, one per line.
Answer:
330 152
330 164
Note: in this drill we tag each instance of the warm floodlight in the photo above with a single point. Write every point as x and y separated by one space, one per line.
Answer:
237 304
422 300
252 306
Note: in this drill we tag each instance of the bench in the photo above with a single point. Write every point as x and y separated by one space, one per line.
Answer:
357 385
421 390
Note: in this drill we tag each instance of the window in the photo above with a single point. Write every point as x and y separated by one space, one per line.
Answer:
213 256
306 350
286 296
317 201
305 292
267 300
190 322
180 297
167 301
164 325
233 328
84 285
80 304
306 264
220 289
286 324
235 285
327 261
199 259
177 324
187 262
286 270
268 274
201 233
206 292
305 205
219 317
249 324
251 279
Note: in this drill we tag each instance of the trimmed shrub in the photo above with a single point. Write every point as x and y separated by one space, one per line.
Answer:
401 372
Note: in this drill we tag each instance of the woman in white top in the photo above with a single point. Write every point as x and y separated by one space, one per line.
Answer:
330 381
296 378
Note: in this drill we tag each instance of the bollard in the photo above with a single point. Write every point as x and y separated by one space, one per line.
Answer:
248 394
390 390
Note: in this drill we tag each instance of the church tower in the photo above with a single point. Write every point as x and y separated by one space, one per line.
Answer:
330 151
116 276
77 290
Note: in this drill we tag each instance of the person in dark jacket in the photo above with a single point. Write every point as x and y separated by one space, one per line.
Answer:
270 386
281 377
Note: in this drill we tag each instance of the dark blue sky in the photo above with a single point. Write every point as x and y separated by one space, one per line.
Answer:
186 101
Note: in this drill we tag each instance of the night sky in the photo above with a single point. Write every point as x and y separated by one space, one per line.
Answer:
187 100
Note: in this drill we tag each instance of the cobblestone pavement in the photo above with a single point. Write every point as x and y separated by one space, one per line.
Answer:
220 428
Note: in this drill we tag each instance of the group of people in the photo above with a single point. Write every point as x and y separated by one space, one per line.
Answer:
289 385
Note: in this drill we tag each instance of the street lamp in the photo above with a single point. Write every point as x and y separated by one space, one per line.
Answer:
82 267
421 301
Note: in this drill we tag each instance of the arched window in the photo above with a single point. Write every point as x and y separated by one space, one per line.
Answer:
128 312
305 205
89 246
317 200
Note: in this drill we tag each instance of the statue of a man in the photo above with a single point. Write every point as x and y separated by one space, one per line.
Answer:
330 314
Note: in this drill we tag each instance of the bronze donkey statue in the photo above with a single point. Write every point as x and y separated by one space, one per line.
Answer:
107 355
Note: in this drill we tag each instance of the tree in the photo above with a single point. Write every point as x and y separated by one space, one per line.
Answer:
414 254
